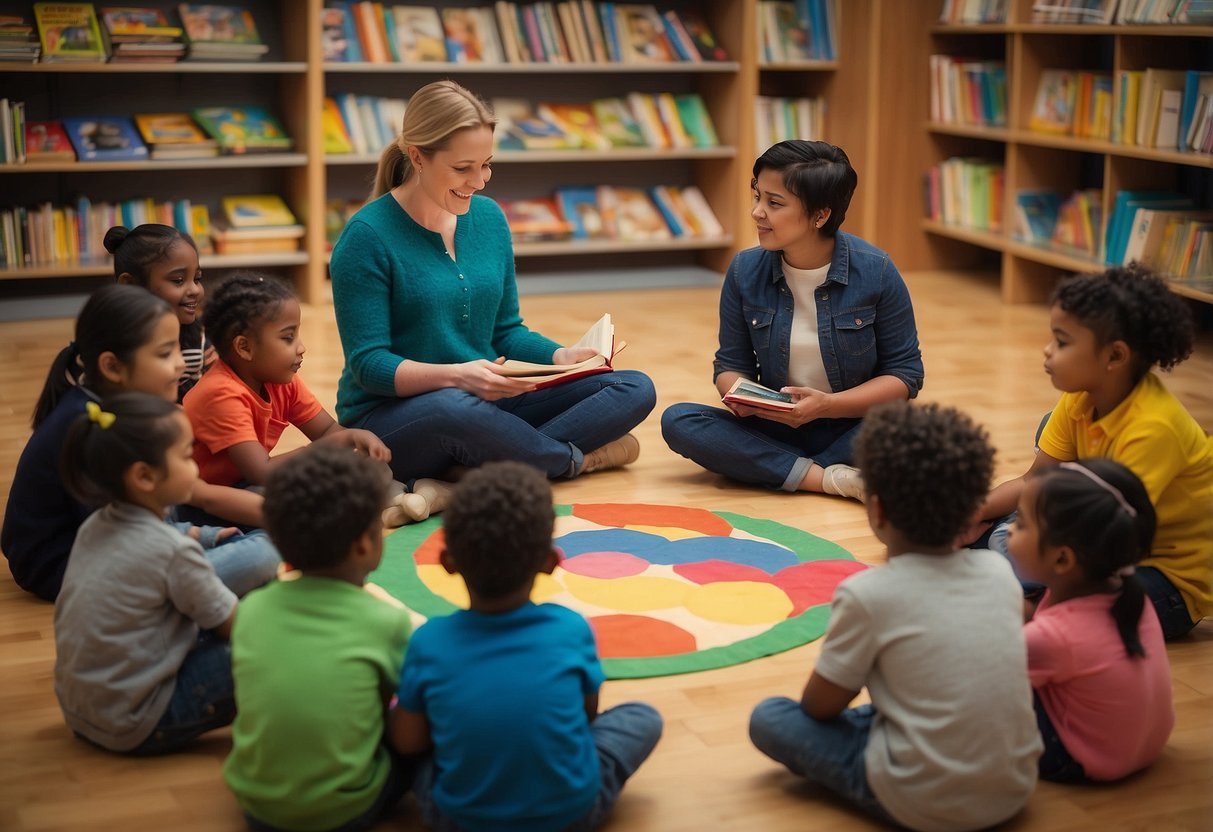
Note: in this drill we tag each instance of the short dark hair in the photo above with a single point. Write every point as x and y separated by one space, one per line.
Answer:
137 249
929 465
239 304
97 454
818 173
1134 305
499 527
320 500
1074 510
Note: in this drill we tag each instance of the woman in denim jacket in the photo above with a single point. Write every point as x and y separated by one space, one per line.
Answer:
812 311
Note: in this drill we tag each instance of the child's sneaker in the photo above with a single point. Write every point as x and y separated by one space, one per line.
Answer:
843 481
623 451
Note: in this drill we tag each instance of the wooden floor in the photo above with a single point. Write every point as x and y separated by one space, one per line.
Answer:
980 355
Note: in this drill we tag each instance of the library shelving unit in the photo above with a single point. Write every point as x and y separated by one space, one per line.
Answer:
293 80
1029 271
55 90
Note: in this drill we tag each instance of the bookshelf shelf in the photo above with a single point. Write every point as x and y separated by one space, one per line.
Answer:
445 68
100 268
548 156
798 66
994 134
1174 157
562 247
179 68
266 160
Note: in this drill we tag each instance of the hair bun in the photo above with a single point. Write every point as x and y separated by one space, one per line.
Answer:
115 237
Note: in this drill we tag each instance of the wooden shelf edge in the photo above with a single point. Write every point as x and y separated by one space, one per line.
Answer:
1181 30
798 66
984 239
184 67
994 134
1176 157
556 248
547 156
101 268
1193 292
445 68
265 160
970 29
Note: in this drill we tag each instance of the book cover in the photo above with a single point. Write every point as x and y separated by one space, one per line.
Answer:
642 35
206 23
243 129
334 33
257 211
702 36
696 120
698 204
577 121
464 38
617 123
535 219
522 124
104 139
581 210
336 138
174 136
633 214
419 34
46 141
1053 111
752 394
69 32
200 228
600 337
138 23
1036 214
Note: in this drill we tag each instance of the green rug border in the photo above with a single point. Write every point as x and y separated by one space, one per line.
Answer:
395 575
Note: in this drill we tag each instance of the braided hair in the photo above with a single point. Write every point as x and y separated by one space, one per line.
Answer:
243 301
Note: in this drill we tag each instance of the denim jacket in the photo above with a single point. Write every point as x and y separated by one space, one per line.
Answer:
865 322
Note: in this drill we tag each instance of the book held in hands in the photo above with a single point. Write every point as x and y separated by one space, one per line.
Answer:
753 394
599 337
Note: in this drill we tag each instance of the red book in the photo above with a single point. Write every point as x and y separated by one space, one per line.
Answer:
46 141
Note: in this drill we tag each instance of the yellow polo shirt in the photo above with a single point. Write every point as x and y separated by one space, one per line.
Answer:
1152 434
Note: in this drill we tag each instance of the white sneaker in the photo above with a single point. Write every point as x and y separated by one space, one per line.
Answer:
843 481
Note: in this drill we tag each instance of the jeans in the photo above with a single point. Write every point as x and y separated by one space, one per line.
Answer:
828 753
624 735
203 698
1055 764
1168 603
756 450
995 539
399 778
245 561
551 429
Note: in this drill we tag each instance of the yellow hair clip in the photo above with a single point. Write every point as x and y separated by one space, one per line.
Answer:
96 414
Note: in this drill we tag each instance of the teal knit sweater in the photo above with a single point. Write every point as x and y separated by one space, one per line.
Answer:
398 296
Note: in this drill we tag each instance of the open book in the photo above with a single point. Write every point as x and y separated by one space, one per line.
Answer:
600 337
753 394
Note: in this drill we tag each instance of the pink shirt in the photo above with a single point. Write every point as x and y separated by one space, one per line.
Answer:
1112 712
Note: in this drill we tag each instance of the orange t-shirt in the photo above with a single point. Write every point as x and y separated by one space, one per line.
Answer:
224 411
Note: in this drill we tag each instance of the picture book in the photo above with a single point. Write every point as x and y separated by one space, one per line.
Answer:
471 38
139 24
642 35
46 141
752 394
702 36
600 337
243 129
1053 111
336 137
419 34
581 210
520 127
174 135
697 204
257 211
535 219
206 23
633 215
577 122
617 123
1036 214
69 32
335 28
104 139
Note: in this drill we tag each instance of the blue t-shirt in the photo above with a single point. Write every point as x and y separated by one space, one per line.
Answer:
42 518
504 695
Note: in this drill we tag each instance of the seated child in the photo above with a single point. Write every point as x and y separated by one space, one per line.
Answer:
316 659
1109 330
506 693
164 261
131 672
1096 656
936 635
241 406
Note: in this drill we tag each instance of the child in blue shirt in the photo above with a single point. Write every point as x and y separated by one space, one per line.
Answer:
506 693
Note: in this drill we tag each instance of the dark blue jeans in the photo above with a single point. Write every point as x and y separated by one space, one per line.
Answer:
203 698
1168 603
551 429
826 752
399 778
1055 764
756 450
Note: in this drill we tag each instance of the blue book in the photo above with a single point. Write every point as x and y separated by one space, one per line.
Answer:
606 12
1036 214
104 139
353 46
1193 82
1124 210
582 211
667 212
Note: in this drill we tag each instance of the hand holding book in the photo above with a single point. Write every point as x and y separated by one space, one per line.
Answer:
794 406
592 354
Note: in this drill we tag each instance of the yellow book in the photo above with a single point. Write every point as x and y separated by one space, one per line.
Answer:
200 228
59 234
1132 92
336 139
257 211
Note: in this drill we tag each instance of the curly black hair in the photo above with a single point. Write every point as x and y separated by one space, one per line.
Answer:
929 465
137 249
1133 305
319 501
239 304
499 527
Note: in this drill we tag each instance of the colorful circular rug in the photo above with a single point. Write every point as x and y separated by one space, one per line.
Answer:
666 589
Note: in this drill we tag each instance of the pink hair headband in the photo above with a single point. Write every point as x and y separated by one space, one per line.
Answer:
1102 483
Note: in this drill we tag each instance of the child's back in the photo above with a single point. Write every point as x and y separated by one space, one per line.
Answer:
938 642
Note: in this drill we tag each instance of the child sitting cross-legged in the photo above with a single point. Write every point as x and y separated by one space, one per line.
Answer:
316 659
949 740
506 693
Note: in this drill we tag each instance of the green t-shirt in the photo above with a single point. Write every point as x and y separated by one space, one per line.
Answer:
315 661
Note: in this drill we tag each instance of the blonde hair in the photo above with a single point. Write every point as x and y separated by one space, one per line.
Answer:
434 113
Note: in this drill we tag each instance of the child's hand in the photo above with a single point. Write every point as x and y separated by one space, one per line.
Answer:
224 534
195 533
365 442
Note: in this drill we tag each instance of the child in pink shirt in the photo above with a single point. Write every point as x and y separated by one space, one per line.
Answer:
1099 672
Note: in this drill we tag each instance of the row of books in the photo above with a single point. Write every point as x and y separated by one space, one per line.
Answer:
206 132
968 92
958 12
1076 103
778 119
966 192
804 30
657 120
1130 12
573 31
1073 225
79 32
46 233
613 213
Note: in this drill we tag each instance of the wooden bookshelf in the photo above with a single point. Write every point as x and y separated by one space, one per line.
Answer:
910 33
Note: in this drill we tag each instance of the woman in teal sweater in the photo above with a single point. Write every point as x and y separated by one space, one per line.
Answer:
426 304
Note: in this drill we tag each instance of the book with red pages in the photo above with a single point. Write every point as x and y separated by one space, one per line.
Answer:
47 141
600 337
535 219
753 394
